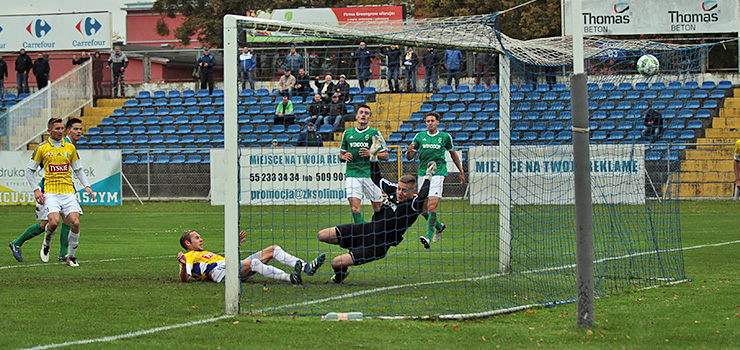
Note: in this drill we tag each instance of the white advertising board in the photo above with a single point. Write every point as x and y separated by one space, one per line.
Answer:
544 174
102 169
654 17
78 31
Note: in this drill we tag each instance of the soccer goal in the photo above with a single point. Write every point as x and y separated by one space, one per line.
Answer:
509 240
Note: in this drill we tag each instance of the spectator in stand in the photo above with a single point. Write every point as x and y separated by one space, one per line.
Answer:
325 87
3 75
41 71
97 74
483 61
23 65
653 125
118 63
410 63
342 87
335 112
206 62
364 59
431 69
274 143
453 60
310 137
247 62
293 61
316 110
302 84
394 62
284 112
84 57
286 84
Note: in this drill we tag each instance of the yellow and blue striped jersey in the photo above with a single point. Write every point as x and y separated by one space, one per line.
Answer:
737 150
199 264
57 165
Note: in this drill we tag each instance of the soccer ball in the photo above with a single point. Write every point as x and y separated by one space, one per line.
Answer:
648 65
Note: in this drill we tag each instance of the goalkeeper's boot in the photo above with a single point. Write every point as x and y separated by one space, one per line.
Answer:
72 261
431 169
295 277
438 234
311 268
375 148
425 242
339 276
16 251
44 253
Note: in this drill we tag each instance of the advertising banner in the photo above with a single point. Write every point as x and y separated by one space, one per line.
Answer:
284 176
78 31
102 169
654 17
337 15
544 174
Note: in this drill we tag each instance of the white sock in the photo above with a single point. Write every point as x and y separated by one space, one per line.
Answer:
48 235
284 258
269 271
74 239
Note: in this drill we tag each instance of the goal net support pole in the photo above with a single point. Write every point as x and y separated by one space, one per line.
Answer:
504 156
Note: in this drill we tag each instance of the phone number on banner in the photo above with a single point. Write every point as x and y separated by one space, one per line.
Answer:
290 177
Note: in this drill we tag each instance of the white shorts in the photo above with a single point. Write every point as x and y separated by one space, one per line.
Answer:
435 185
40 212
63 203
357 186
218 274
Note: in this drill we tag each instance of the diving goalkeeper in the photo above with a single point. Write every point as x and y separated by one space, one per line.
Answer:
370 241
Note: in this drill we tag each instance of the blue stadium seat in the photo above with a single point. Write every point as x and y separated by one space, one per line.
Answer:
93 131
549 96
666 95
694 124
177 111
700 94
197 119
457 108
140 140
641 86
724 85
525 88
556 126
521 126
462 89
218 139
482 116
131 159
677 125
216 129
175 102
533 96
691 85
461 137
426 108
213 119
493 137
172 139
121 121
539 126
454 127
161 102
154 130
478 136
624 125
607 106
608 125
693 104
598 135
357 99
168 129
652 156
148 121
138 130
192 111
156 139
674 85
564 136
202 93
471 127
598 115
262 92
524 106
599 95
442 108
465 116
687 135
258 119
450 98
529 136
484 97
405 128
193 159
547 136
189 102
559 87
448 117
517 96
617 135
446 89
246 93
278 128
147 102
467 97
549 115
477 89
717 94
634 135
208 110
368 90
199 129
488 126
669 135
395 137
658 85
710 104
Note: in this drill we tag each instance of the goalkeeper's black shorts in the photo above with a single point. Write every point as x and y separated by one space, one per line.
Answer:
363 243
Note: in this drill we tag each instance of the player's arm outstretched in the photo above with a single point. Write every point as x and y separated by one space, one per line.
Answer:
421 197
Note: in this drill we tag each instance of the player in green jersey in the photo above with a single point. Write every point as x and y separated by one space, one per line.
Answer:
73 128
431 146
356 147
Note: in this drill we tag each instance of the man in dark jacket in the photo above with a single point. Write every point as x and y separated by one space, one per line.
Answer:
431 67
206 62
118 62
410 62
342 87
23 65
3 75
335 112
394 62
302 84
309 138
41 71
364 58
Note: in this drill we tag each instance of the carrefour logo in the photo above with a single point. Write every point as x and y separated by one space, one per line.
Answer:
709 5
88 26
621 7
38 28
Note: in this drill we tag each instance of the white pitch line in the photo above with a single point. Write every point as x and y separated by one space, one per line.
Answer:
318 301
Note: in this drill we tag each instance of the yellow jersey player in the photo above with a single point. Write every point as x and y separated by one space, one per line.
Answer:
202 265
58 158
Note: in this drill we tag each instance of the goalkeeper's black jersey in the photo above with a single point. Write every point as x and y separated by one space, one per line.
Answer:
395 218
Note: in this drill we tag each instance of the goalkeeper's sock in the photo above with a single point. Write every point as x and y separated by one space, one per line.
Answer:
31 232
269 271
431 224
63 240
74 239
358 218
284 258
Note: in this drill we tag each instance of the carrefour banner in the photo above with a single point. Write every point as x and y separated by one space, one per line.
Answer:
654 17
102 169
283 176
544 174
79 31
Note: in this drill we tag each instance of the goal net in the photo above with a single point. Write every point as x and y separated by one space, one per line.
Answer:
509 238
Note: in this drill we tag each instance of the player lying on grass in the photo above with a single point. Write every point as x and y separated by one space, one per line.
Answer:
370 241
202 265
73 129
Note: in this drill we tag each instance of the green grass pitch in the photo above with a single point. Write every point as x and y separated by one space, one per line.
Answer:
127 285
